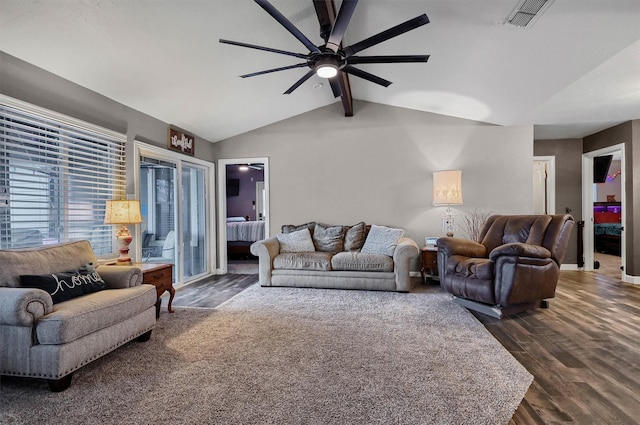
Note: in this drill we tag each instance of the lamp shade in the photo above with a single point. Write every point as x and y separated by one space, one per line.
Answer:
122 212
447 187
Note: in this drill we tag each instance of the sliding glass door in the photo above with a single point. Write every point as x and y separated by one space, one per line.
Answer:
194 229
177 219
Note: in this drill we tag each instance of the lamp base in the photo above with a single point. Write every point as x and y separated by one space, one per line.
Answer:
449 222
124 240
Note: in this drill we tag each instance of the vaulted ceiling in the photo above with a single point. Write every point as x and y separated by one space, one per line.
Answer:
575 71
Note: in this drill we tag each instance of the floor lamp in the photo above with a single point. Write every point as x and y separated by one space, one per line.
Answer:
447 191
123 212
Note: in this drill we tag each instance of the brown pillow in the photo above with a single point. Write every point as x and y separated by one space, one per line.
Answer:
355 237
289 228
328 238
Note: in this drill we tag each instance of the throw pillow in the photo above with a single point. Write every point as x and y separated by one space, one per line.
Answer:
355 237
298 241
382 240
288 228
328 238
66 285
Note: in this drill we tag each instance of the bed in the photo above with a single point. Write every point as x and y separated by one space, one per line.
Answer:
241 234
607 227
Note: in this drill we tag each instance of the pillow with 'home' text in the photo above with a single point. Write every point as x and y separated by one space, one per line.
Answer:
65 285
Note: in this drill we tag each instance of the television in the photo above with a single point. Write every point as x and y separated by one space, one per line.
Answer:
233 187
601 166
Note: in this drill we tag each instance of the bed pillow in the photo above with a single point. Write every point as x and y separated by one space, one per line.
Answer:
66 285
606 217
235 219
298 241
382 240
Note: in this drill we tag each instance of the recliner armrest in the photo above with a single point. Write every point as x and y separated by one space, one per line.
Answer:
453 246
23 306
520 250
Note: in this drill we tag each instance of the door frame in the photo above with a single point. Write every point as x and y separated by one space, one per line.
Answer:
222 204
551 181
144 149
587 206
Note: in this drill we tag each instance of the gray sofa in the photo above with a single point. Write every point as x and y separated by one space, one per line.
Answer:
337 259
41 339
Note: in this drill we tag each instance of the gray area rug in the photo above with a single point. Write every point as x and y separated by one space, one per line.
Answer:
293 356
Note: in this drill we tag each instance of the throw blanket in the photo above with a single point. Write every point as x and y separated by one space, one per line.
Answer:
246 231
610 229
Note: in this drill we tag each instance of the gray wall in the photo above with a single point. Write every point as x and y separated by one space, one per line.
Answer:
568 159
377 166
26 82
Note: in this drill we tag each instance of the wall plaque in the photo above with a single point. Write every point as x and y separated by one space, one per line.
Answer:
181 142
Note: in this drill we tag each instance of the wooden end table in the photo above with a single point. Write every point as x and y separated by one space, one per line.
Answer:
429 257
159 275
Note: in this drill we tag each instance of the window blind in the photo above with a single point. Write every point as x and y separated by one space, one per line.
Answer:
56 174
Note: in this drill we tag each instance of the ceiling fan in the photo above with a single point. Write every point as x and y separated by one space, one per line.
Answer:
331 59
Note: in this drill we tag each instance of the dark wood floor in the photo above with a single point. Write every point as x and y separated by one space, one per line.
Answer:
584 351
212 291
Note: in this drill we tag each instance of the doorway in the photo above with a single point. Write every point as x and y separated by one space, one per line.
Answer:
599 206
544 184
243 199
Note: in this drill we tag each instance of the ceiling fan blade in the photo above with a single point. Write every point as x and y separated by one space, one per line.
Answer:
367 76
268 71
335 86
353 60
340 26
387 34
275 13
266 49
300 81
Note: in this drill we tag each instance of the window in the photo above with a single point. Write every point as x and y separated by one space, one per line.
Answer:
56 174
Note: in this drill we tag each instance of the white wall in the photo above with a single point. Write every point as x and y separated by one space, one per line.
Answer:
377 166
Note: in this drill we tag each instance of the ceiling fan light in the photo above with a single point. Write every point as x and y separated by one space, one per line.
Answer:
327 71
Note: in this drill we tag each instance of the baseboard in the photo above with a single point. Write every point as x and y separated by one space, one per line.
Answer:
570 267
635 280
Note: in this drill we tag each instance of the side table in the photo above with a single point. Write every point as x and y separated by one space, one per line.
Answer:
429 257
159 275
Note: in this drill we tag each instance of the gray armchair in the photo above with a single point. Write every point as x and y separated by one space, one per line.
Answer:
40 339
514 268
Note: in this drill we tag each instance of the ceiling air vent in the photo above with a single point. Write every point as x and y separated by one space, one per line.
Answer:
527 11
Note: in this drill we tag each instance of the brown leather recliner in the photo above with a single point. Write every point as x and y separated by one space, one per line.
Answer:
514 268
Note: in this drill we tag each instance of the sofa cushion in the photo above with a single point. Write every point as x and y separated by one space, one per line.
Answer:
83 315
382 240
43 259
355 236
470 267
298 241
289 228
357 261
65 286
328 238
303 261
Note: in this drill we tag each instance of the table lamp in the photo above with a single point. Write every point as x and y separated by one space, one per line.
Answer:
447 190
123 212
